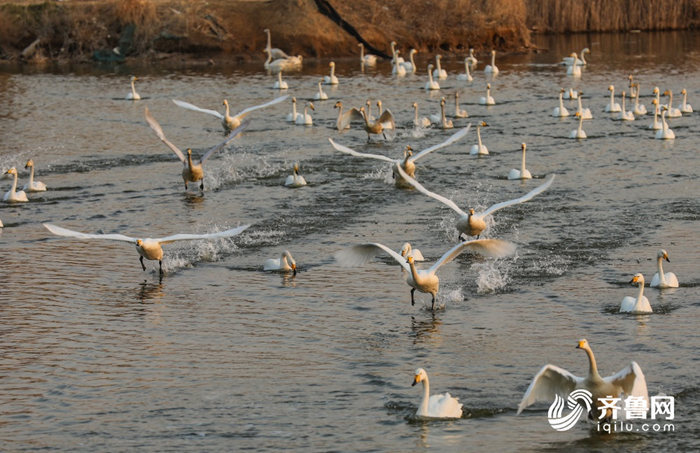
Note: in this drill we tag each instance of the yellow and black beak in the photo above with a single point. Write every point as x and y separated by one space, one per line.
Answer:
666 258
580 344
416 380
294 269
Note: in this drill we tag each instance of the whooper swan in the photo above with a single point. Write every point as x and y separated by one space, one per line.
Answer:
523 173
640 304
33 186
12 195
227 121
284 263
661 280
435 406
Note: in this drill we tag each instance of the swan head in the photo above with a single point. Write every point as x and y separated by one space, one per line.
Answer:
493 52
408 152
638 279
405 249
667 93
225 103
442 101
438 57
430 67
656 90
483 124
663 255
331 64
413 51
189 152
420 375
30 163
471 211
360 45
296 169
414 105
379 103
488 86
294 100
338 105
623 94
457 95
683 91
139 242
11 171
655 102
393 43
134 79
585 50
523 146
310 104
583 344
577 114
611 88
409 260
630 78
562 90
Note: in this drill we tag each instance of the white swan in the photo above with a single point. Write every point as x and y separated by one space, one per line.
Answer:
407 163
665 133
394 56
571 94
472 59
388 125
656 125
370 117
467 76
661 280
579 132
33 186
385 121
147 248
331 79
435 406
523 173
276 53
488 99
479 148
284 263
410 65
292 117
640 304
658 99
560 111
305 119
424 281
612 107
625 115
344 119
672 111
492 68
552 381
570 60
634 89
439 73
399 69
295 179
227 121
12 195
431 84
444 122
280 84
407 250
419 122
192 172
320 95
369 59
584 113
459 113
639 109
574 70
279 64
472 223
133 95
1 224
684 107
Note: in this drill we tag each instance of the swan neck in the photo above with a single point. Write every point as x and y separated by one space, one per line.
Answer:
362 53
414 274
593 367
416 114
522 165
412 62
478 136
269 57
332 71
423 408
640 296
561 101
442 112
189 160
269 40
493 60
228 114
31 184
659 265
14 183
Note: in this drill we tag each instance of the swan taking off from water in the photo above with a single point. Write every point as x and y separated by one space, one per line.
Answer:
280 84
424 281
368 59
133 95
584 113
435 406
147 248
579 132
570 60
661 280
12 195
304 119
684 107
479 148
488 99
523 173
439 73
320 95
284 263
553 382
472 223
431 84
612 107
227 121
295 179
640 304
467 76
33 186
344 119
665 133
331 79
385 121
419 122
492 68
192 172
625 115
561 110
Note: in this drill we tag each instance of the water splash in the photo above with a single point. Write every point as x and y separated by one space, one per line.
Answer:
492 275
384 174
416 132
241 166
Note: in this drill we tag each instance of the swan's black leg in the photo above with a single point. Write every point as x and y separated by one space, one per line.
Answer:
384 135
142 265
433 305
413 302
201 184
160 263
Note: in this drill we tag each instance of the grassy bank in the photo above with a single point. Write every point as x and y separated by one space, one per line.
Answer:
77 28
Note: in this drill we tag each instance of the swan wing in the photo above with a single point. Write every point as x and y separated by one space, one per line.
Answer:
65 232
345 149
550 381
230 137
351 115
444 406
422 189
159 132
387 120
363 253
495 248
255 107
528 196
194 237
456 136
630 380
189 106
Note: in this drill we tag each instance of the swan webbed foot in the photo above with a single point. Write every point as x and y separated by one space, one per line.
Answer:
413 301
142 265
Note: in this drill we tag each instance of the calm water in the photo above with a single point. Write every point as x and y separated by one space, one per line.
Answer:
221 356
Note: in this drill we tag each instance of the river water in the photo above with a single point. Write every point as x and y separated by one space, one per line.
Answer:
221 356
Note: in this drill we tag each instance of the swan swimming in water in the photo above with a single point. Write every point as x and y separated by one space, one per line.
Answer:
523 173
574 70
472 223
492 68
625 115
133 95
579 132
570 60
639 109
394 55
553 381
280 84
304 119
227 121
12 195
275 52
661 280
424 281
459 113
560 112
435 406
467 76
641 303
444 122
672 111
399 69
33 186
665 133
331 79
584 113
192 172
320 95
295 179
488 99
656 125
479 148
684 107
368 59
431 84
410 65
613 107
439 73
419 122
284 263
292 117
146 248
472 59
